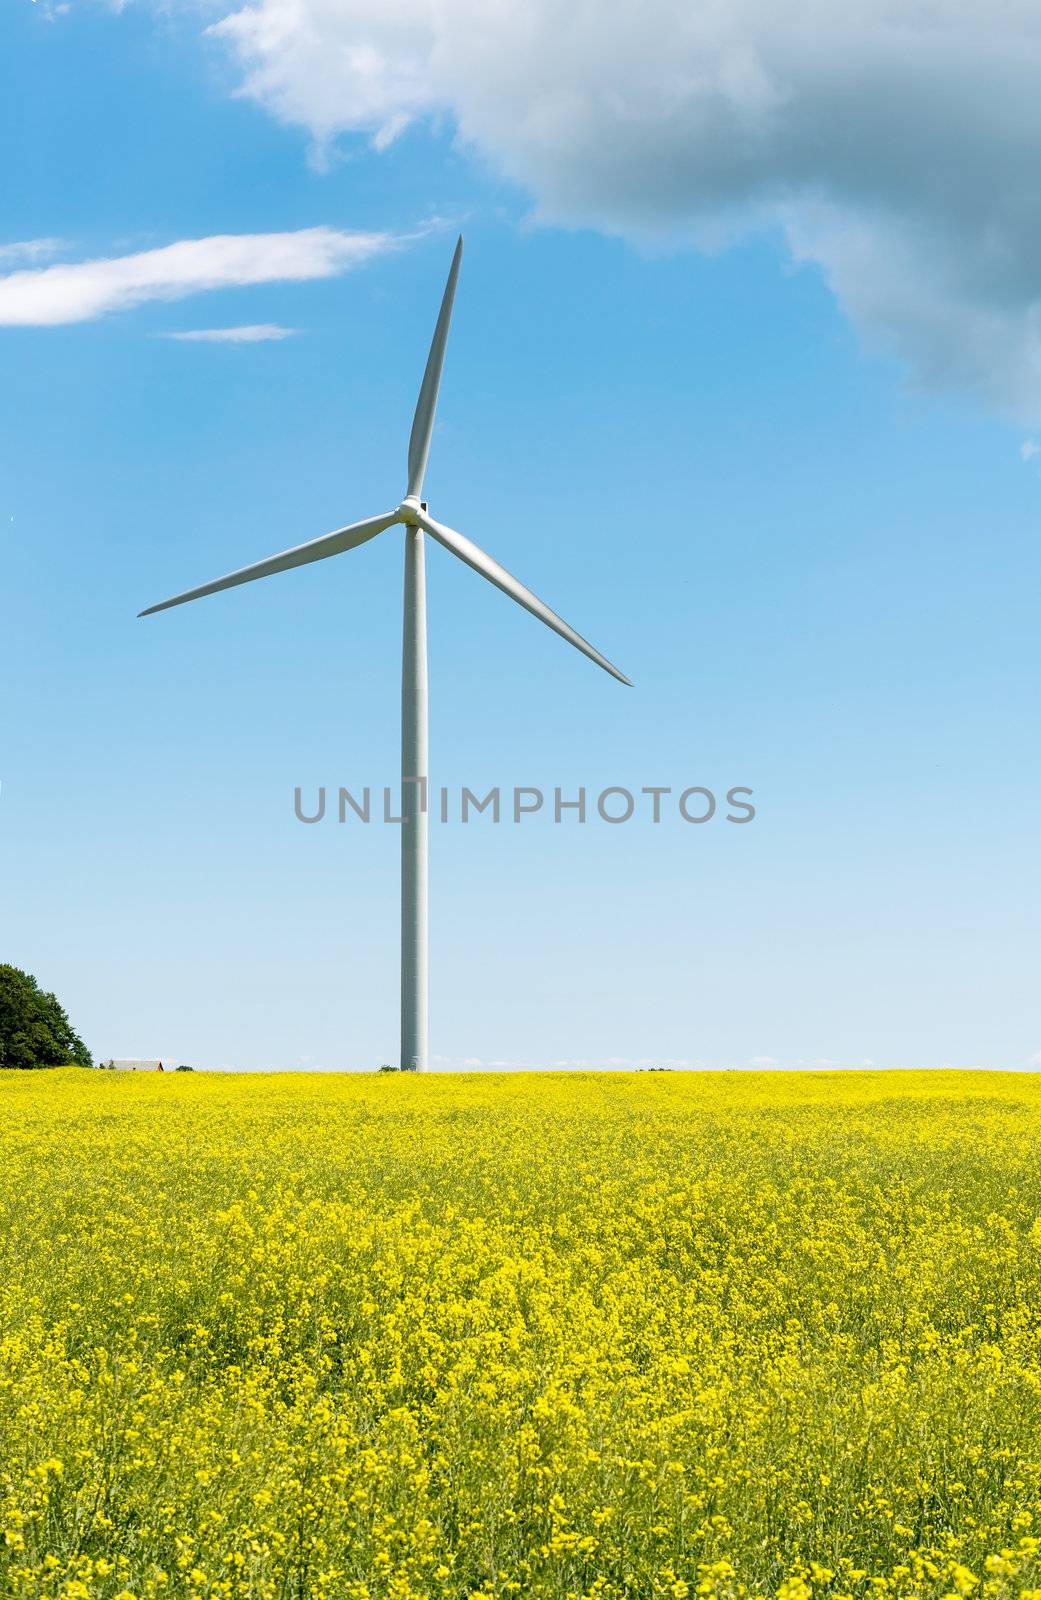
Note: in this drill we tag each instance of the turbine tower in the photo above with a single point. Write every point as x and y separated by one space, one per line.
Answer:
413 516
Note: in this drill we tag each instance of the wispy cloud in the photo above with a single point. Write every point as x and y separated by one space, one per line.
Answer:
84 290
250 333
51 10
29 250
1029 449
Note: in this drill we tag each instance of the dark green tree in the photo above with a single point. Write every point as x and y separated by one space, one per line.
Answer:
34 1030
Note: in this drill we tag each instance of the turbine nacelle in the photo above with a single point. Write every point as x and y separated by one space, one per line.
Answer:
410 510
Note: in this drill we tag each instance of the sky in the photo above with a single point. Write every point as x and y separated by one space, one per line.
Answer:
744 379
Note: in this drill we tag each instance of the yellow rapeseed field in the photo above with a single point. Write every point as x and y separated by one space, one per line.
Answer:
622 1335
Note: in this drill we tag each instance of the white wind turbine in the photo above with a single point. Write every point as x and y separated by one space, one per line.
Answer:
412 514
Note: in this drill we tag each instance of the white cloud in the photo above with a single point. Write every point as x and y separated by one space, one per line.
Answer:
1034 1062
82 290
249 333
1029 449
15 255
894 144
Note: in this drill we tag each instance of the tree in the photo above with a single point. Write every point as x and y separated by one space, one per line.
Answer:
34 1030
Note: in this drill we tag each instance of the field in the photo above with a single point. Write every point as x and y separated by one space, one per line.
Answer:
372 1338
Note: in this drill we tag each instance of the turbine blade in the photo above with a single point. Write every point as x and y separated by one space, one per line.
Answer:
483 563
330 544
426 405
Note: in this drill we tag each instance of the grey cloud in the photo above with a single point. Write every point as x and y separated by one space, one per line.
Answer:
894 144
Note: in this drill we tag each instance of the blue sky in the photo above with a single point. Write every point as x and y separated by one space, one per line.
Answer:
799 510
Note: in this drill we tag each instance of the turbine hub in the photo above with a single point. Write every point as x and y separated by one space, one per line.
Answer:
408 508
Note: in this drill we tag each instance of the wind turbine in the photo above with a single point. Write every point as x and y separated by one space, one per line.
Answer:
413 516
